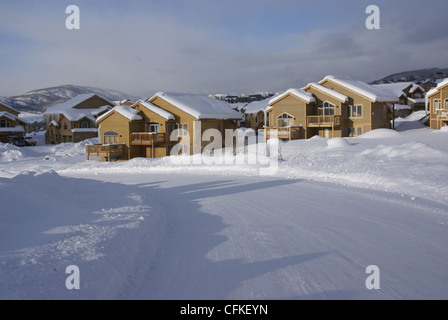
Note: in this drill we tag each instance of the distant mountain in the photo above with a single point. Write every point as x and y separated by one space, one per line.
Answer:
415 75
41 99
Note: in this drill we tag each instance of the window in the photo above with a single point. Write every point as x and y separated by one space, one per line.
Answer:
219 126
446 104
85 124
417 95
170 128
285 120
352 131
75 125
153 127
111 138
354 111
65 126
437 105
183 126
326 109
2 123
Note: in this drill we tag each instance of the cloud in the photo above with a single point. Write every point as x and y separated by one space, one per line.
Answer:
212 46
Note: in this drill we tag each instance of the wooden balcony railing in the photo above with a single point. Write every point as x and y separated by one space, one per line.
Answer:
146 139
324 121
105 150
290 133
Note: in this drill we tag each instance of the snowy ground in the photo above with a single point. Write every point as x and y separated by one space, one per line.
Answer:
148 229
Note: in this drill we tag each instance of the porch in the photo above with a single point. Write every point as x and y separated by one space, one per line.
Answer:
107 151
323 121
147 138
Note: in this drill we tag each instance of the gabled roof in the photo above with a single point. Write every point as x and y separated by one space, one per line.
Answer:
397 89
439 86
127 112
9 107
299 93
11 117
256 106
369 91
68 108
199 106
157 110
329 92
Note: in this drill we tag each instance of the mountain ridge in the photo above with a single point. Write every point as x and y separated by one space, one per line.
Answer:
39 100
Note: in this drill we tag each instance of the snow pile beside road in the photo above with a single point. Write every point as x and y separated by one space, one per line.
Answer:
72 149
9 153
48 223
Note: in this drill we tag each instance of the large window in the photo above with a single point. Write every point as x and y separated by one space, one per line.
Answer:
153 127
354 111
85 124
111 138
326 109
437 104
3 123
285 120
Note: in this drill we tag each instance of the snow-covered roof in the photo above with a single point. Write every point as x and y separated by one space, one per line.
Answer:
157 110
16 129
422 100
84 130
127 112
8 115
199 106
369 91
396 89
401 107
9 107
439 85
54 123
415 87
256 106
330 92
299 93
68 108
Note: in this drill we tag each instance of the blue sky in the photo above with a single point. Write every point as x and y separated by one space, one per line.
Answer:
232 46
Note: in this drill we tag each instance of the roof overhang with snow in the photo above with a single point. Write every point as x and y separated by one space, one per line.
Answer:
199 106
332 93
298 93
127 112
361 88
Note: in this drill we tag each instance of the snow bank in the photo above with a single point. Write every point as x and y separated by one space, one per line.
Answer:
444 129
337 143
72 149
380 134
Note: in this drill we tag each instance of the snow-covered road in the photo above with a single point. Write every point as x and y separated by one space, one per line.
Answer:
258 238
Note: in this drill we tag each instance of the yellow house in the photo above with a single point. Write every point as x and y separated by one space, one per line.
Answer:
75 119
334 107
10 123
437 105
145 129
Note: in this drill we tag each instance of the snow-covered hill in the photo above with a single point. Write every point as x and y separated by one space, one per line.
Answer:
41 99
415 75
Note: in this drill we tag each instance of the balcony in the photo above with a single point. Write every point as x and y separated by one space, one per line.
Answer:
105 150
323 121
289 133
147 139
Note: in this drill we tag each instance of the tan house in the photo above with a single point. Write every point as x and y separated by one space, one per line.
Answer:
437 105
145 129
75 119
10 123
254 114
411 97
334 107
